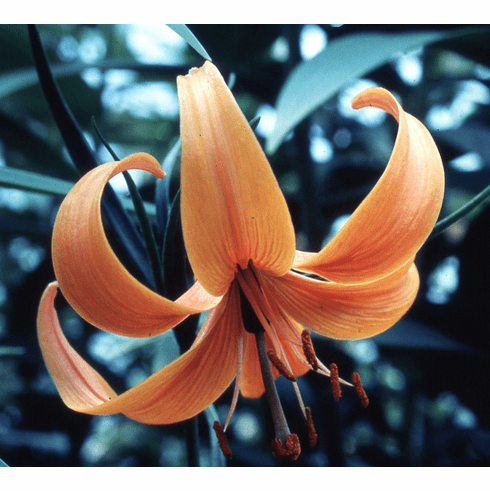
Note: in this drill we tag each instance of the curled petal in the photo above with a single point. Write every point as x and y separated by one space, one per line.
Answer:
78 383
395 219
232 207
177 392
346 311
92 278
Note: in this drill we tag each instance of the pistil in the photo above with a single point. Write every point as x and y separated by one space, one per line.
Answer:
286 445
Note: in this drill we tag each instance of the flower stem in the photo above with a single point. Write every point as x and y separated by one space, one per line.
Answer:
278 418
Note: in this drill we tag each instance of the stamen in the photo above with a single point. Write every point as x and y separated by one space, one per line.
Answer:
334 379
308 350
281 368
312 434
222 440
300 399
290 450
361 393
238 379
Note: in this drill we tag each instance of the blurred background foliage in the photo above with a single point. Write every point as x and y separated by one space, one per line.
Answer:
427 377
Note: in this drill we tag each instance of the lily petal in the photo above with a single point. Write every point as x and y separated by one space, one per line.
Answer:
177 392
397 216
345 311
252 385
92 278
232 207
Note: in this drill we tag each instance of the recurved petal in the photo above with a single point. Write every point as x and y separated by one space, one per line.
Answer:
232 207
92 278
346 311
177 392
395 219
78 383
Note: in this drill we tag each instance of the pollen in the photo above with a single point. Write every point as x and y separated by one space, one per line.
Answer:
312 434
280 366
222 440
290 450
334 379
308 350
361 393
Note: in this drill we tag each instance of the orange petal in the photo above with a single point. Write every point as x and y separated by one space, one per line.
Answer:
177 392
252 384
92 278
77 382
232 207
346 311
395 219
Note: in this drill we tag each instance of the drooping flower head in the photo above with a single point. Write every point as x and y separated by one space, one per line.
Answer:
240 241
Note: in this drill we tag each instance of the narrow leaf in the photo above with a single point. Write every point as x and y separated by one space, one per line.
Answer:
467 208
408 334
83 158
31 181
39 183
183 31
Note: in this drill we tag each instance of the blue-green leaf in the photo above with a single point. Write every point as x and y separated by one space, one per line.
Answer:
31 181
39 183
183 31
344 59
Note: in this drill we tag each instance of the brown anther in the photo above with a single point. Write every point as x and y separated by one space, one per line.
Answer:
287 451
222 440
308 350
334 379
312 434
281 368
361 393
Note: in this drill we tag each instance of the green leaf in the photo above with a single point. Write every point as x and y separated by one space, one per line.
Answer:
183 31
38 183
408 334
31 181
12 351
314 81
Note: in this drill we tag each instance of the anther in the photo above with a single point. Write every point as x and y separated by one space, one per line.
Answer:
334 379
308 350
361 393
222 440
312 434
290 450
281 368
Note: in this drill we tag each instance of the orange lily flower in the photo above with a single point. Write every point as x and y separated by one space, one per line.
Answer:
240 243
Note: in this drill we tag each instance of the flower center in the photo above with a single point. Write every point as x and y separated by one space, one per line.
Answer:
286 445
264 318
